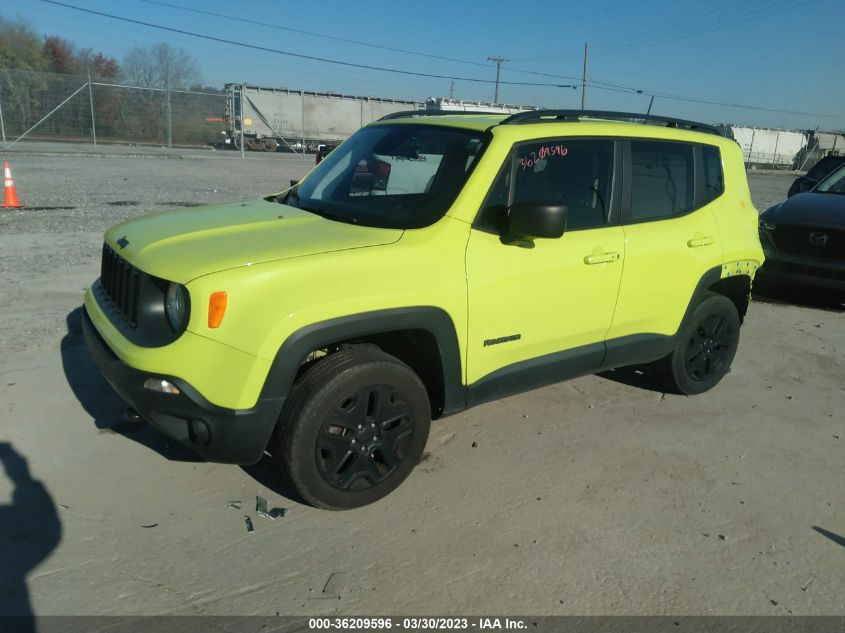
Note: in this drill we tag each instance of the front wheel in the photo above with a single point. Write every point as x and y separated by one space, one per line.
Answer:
705 349
354 427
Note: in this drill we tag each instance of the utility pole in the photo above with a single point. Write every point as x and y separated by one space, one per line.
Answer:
451 90
584 80
498 61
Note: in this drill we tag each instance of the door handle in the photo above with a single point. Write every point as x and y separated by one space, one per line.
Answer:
701 241
603 258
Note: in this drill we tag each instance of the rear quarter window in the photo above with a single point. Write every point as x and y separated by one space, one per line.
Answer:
662 180
670 179
714 180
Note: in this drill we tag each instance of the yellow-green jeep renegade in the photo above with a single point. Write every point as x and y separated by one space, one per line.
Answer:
428 264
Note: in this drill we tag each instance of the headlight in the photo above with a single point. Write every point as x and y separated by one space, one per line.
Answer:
765 224
176 304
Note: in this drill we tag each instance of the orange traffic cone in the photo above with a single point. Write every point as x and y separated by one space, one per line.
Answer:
10 196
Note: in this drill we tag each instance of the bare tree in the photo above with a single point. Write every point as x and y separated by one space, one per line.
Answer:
160 66
157 66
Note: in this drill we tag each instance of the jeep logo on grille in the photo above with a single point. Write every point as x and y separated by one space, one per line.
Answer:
817 238
123 242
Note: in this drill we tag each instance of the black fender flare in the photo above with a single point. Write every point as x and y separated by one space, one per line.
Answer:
436 321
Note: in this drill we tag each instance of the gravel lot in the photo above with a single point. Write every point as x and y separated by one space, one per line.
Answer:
597 496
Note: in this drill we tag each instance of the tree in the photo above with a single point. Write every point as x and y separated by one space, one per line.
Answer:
20 47
100 66
20 53
60 55
157 66
160 66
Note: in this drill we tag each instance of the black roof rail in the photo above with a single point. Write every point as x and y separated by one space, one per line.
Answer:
407 114
550 116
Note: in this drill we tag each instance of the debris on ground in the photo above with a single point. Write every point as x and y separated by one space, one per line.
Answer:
807 584
334 586
248 523
236 504
151 525
262 509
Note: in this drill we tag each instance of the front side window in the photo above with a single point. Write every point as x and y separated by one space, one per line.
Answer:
662 180
574 173
392 176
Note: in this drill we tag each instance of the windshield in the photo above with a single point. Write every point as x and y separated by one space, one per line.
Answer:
391 176
834 182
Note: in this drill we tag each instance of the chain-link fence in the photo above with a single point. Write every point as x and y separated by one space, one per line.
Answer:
49 106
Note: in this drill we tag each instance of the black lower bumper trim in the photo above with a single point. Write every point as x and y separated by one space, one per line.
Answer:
774 270
234 436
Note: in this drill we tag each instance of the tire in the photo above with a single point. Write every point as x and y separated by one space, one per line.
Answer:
353 428
705 349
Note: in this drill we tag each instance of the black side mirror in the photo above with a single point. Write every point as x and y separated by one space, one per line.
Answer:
294 183
806 185
532 220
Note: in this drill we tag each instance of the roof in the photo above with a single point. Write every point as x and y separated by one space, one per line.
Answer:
589 122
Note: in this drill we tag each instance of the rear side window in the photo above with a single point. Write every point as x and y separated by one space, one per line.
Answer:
662 180
714 181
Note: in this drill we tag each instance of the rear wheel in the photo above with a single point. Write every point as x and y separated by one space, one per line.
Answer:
354 427
705 349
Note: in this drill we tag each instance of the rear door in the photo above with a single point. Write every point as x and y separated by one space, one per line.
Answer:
671 237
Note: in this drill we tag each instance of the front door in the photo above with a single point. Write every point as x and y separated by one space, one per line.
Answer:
539 312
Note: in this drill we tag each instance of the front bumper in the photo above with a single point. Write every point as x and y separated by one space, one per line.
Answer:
218 434
784 268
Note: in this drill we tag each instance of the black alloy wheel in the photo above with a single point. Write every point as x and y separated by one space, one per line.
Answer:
709 348
353 428
705 348
365 438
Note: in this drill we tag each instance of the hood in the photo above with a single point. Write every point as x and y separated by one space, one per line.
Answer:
185 244
809 209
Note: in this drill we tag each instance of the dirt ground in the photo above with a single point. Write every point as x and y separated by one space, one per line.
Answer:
597 496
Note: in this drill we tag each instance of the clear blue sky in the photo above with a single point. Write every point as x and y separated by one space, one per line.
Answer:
777 54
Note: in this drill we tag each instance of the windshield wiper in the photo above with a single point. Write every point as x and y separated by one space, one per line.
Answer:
337 217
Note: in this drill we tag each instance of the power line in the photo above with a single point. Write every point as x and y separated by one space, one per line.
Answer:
289 53
715 103
683 29
598 85
356 42
672 27
313 34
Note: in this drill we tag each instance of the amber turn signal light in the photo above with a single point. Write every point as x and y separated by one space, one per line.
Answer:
216 308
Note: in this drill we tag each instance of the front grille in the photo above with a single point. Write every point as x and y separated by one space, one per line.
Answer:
120 282
821 243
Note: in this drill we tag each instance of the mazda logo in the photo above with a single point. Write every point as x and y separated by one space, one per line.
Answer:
817 238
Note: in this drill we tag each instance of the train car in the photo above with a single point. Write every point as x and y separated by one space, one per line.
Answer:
299 120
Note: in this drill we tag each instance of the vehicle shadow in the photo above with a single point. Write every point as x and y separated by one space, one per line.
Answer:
268 476
102 403
639 376
29 530
803 296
